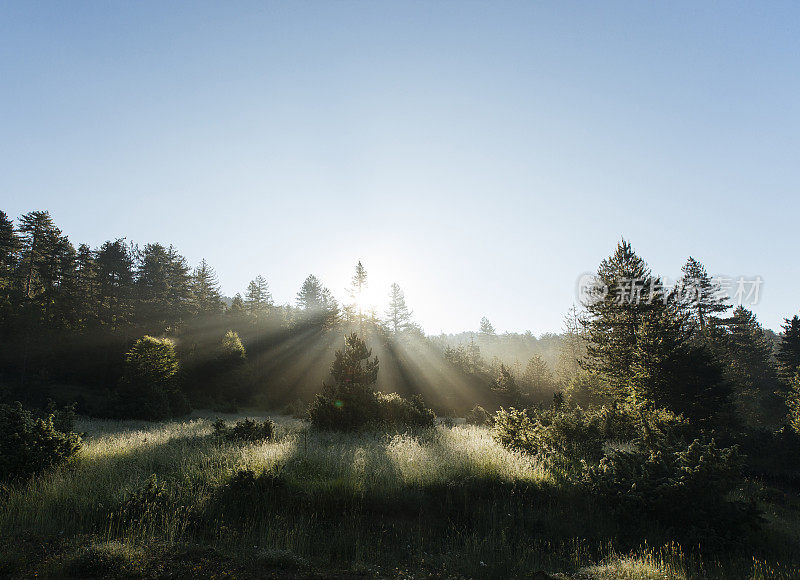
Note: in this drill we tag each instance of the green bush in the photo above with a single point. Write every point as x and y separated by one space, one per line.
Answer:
478 416
351 403
561 437
149 386
29 445
686 488
246 430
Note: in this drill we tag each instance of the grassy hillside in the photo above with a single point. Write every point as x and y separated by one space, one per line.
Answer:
157 499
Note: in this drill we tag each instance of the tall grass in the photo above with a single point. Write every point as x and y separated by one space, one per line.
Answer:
447 498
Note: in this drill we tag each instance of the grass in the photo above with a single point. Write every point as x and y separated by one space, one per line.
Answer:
445 501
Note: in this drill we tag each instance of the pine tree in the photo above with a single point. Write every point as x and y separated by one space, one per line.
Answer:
113 271
237 307
309 298
486 328
749 367
625 293
702 297
9 249
352 365
788 354
164 287
358 284
793 402
257 299
206 296
398 316
537 376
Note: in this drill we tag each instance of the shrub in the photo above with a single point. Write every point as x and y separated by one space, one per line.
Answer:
478 416
561 437
686 488
149 387
29 445
152 499
246 430
351 403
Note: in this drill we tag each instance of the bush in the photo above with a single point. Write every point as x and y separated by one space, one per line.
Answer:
561 437
149 387
29 445
144 503
351 403
246 430
686 488
478 416
353 407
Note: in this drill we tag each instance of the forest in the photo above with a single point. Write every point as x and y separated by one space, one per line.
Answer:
153 427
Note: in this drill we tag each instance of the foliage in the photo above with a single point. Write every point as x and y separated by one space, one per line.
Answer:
149 388
29 445
698 478
246 430
478 416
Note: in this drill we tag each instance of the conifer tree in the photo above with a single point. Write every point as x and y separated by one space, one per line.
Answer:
788 354
206 296
537 376
257 299
309 298
749 367
625 292
398 316
486 328
702 297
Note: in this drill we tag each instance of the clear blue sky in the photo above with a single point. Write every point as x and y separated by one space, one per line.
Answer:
483 155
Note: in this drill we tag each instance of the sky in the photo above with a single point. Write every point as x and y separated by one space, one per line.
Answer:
483 155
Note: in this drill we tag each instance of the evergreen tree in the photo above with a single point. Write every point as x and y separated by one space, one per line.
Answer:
788 354
164 287
257 299
625 293
352 365
237 307
113 272
358 283
486 327
702 297
398 316
205 290
309 298
9 249
537 377
793 402
748 358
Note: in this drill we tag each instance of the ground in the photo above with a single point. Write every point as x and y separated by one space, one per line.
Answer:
173 499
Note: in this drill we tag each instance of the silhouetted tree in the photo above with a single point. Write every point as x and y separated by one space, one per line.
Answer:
206 297
788 354
702 297
486 327
398 316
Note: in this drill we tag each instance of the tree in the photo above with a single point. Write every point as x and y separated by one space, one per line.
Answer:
702 297
398 316
205 290
352 365
486 327
149 387
309 298
237 307
748 363
788 355
164 287
358 283
537 377
505 384
257 299
793 402
672 371
623 294
113 272
9 248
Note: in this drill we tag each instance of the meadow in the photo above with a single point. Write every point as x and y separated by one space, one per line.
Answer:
172 499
